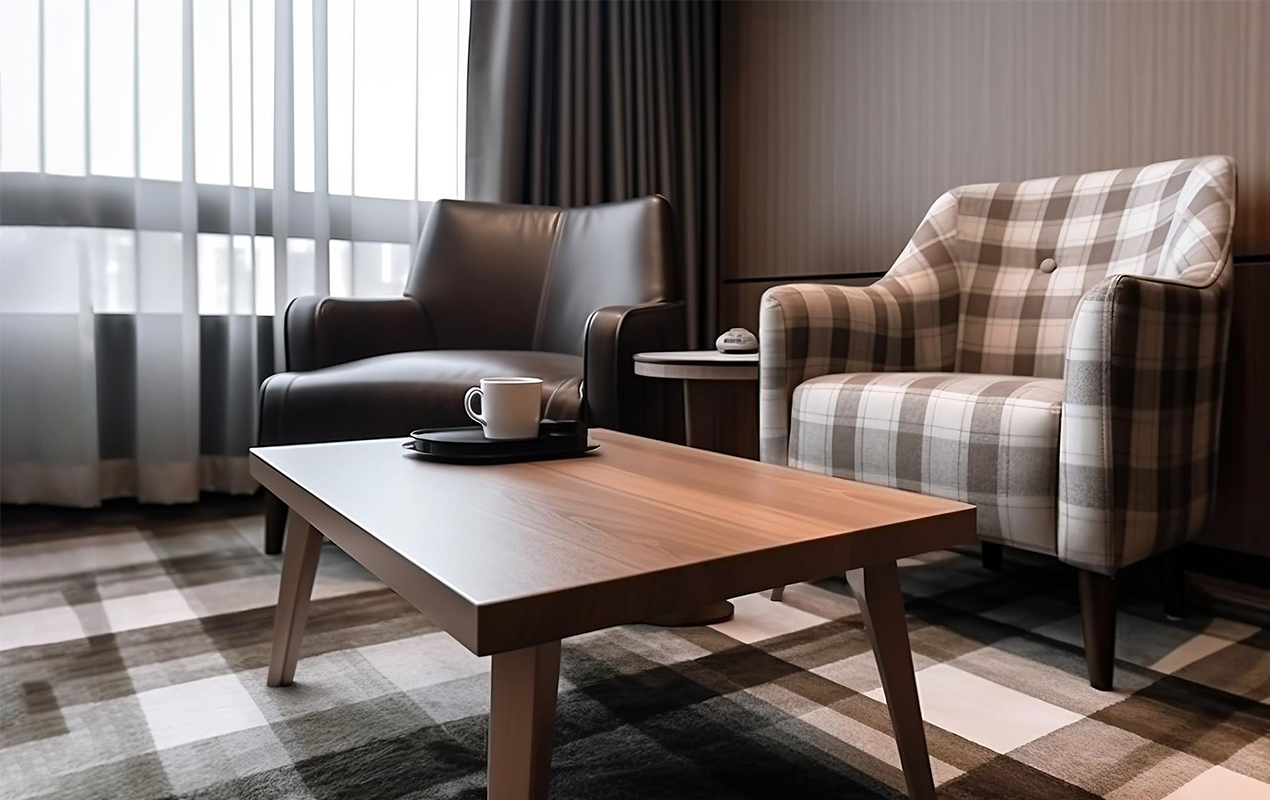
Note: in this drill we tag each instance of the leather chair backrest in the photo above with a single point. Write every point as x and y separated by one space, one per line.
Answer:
495 276
478 272
612 254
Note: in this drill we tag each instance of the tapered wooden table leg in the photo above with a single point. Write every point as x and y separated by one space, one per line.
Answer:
522 720
877 590
299 565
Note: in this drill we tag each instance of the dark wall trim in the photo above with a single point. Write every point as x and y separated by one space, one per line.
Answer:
1258 260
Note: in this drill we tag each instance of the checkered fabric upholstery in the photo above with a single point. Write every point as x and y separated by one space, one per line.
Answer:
990 440
1134 319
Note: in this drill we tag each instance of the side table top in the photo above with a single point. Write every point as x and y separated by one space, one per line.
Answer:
698 365
696 357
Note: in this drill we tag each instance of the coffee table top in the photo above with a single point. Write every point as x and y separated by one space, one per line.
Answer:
504 557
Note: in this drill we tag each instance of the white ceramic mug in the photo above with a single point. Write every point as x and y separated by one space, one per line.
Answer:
510 407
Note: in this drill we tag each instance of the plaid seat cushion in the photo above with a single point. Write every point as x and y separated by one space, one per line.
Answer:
991 440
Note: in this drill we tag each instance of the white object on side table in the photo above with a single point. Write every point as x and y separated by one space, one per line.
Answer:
736 340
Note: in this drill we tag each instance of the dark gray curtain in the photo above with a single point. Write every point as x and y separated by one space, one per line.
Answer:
573 103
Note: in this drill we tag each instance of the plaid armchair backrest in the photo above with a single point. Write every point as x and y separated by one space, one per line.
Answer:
1161 220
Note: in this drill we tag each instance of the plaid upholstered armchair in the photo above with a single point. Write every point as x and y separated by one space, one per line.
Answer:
1052 351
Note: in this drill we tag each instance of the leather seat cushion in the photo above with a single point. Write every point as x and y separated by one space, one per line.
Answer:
991 440
394 394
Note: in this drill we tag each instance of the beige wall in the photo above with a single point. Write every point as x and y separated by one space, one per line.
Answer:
843 121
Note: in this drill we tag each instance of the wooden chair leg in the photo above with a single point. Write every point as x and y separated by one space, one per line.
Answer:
1172 584
275 523
1098 612
778 593
991 553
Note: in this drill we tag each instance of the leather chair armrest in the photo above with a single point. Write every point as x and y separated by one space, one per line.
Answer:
323 331
615 396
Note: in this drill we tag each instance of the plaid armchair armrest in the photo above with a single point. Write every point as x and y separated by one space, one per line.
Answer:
902 322
905 321
1145 366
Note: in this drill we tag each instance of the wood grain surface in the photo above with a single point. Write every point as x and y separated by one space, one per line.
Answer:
510 556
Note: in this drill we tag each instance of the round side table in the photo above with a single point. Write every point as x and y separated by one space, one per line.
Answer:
720 396
720 414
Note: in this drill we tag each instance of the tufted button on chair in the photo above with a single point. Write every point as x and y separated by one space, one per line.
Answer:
1052 351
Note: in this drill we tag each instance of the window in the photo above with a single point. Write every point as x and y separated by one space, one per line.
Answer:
95 95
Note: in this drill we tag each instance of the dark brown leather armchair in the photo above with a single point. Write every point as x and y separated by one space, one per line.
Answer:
565 295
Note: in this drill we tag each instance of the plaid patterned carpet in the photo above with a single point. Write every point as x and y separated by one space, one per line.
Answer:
133 664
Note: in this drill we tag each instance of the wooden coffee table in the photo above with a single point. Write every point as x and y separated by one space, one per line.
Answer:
511 559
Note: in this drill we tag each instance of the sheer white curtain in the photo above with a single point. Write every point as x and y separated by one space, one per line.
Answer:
172 172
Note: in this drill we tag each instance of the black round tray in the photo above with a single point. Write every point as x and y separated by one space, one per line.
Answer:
468 445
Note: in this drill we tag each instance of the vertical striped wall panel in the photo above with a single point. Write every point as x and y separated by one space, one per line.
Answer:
843 121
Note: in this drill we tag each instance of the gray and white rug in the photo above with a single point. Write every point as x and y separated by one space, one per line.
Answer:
132 664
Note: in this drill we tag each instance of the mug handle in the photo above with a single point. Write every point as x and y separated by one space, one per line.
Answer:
475 391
